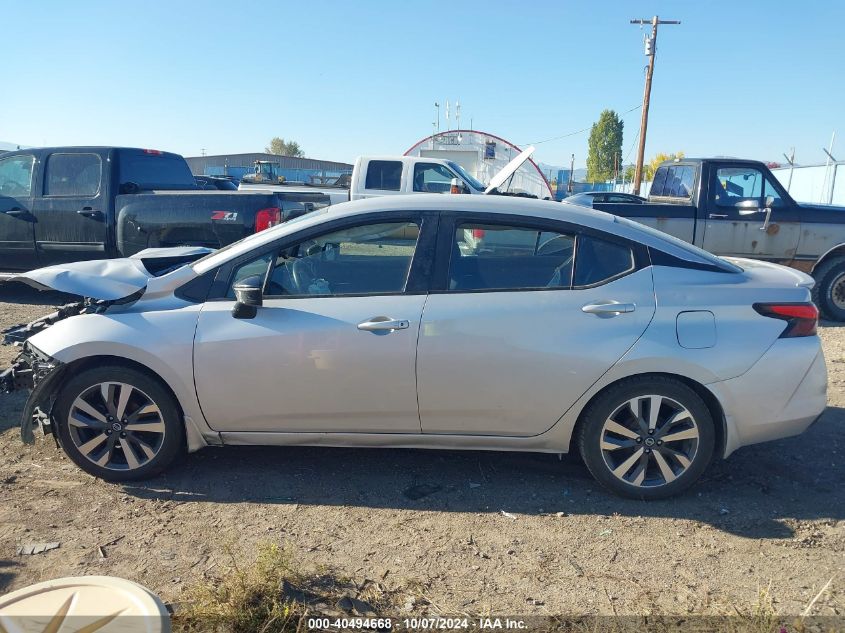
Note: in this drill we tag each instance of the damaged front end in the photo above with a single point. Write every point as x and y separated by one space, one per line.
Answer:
37 372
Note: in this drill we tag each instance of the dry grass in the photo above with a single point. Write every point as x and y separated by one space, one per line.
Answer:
246 599
269 594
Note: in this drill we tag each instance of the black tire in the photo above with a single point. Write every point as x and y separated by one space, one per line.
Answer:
591 428
829 277
145 387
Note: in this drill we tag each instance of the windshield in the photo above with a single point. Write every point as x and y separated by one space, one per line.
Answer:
472 182
256 237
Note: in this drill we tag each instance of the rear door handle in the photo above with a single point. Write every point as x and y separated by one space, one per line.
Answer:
608 308
382 323
90 212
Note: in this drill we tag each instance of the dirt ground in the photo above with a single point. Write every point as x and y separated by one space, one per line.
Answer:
434 524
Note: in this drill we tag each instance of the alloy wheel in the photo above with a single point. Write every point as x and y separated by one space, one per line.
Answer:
837 292
116 426
649 441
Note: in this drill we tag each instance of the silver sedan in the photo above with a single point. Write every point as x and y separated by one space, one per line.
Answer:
452 322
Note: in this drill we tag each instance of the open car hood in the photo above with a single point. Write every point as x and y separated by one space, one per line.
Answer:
112 279
509 169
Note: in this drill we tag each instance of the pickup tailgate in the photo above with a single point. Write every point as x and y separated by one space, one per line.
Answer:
202 218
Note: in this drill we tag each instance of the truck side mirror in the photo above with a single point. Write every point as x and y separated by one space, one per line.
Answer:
248 297
747 207
770 202
458 186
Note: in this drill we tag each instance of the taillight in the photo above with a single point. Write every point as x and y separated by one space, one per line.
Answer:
154 152
478 234
266 218
801 318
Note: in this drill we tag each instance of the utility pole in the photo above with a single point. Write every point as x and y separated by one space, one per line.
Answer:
650 51
571 175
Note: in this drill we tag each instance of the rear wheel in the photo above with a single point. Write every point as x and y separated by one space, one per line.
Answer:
829 291
118 423
647 438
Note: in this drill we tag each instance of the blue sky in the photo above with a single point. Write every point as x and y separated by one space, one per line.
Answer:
743 78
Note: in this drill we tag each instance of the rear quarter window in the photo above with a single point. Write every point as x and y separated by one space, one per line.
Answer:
598 261
384 174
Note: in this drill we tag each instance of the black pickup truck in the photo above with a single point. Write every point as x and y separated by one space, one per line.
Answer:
68 204
736 207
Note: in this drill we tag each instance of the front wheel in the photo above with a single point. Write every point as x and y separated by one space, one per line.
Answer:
647 438
118 423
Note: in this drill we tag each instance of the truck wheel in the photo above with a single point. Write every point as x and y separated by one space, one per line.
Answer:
829 291
118 423
648 437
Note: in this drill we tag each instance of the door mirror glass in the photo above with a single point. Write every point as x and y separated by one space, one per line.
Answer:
747 207
247 297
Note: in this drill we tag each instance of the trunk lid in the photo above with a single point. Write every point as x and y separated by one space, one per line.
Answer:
770 274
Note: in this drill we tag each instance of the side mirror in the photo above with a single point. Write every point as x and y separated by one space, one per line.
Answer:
747 207
248 297
770 202
458 186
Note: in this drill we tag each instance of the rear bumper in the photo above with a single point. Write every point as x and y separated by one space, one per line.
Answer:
780 396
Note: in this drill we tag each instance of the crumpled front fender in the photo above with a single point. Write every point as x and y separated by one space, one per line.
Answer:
35 371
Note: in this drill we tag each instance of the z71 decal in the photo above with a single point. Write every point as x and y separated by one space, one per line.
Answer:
224 216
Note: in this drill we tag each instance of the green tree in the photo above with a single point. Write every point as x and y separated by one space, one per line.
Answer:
605 147
281 147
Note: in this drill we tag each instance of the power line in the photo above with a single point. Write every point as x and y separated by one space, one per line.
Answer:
586 129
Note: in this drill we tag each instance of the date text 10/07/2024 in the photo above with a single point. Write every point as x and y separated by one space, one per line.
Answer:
423 623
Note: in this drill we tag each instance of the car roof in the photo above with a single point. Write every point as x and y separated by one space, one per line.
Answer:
490 204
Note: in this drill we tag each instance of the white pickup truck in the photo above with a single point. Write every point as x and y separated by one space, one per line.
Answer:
375 176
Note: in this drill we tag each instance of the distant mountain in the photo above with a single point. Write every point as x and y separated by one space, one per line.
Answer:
8 147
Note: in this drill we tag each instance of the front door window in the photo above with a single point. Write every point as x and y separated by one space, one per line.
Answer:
738 184
16 176
373 259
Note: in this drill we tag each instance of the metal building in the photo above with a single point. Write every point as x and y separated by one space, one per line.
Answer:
483 154
293 169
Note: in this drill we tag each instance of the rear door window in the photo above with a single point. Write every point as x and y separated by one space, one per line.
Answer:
77 175
500 257
384 174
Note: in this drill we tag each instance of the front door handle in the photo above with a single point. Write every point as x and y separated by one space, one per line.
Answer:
611 308
90 212
718 216
17 212
382 323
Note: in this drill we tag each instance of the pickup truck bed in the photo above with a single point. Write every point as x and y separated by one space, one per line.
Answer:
734 207
67 204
